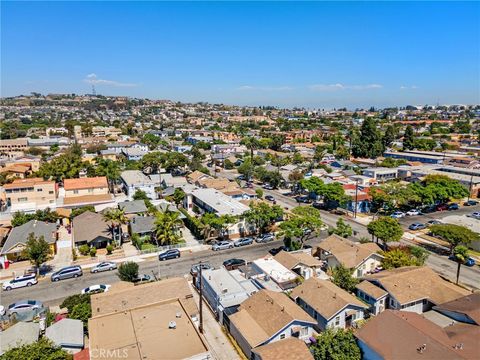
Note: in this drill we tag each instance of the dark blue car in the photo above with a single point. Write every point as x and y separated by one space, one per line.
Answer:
169 254
470 262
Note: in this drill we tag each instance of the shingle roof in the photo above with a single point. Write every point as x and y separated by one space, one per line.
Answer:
142 224
325 297
22 333
66 333
368 288
19 235
287 349
348 253
133 207
264 314
23 183
292 259
85 183
400 335
413 283
88 226
468 305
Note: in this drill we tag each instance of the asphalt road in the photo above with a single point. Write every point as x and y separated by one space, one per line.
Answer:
53 293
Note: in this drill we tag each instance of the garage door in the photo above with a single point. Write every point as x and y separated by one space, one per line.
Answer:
64 244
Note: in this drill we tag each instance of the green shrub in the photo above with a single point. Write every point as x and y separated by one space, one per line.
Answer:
93 252
109 249
148 246
128 271
84 249
82 311
43 349
73 300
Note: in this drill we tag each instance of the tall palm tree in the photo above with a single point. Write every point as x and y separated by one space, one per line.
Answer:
117 218
166 227
251 143
460 254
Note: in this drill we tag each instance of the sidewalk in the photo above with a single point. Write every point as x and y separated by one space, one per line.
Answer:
218 343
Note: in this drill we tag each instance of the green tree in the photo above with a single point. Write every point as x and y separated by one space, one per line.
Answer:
420 254
259 193
83 312
454 234
342 277
36 250
386 229
408 138
336 344
438 188
108 168
42 349
303 221
397 257
344 230
72 300
166 227
369 143
246 168
117 218
262 215
251 143
389 136
213 225
178 196
140 195
151 140
460 254
128 271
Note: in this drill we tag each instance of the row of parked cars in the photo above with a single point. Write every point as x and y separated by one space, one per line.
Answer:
225 244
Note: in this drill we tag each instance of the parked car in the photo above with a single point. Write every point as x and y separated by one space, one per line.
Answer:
24 305
243 241
143 278
169 254
95 289
269 198
442 207
429 209
2 310
196 268
417 226
222 245
265 238
413 212
103 266
276 250
67 273
318 205
397 215
470 261
303 199
453 206
475 214
232 264
470 203
20 281
267 187
433 222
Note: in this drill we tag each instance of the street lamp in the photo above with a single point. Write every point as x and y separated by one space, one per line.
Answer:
356 200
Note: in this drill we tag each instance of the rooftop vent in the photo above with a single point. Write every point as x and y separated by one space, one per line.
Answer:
178 315
172 325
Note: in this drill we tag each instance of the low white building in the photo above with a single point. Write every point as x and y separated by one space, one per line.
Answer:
134 180
283 277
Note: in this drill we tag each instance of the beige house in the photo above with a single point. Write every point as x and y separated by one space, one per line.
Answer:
363 258
86 191
13 147
301 263
31 194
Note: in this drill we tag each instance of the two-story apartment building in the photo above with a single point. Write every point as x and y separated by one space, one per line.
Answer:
13 147
329 304
86 191
134 180
381 174
30 194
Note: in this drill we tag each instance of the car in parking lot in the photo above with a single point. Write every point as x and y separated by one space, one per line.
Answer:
196 268
303 199
413 212
475 215
103 266
243 241
222 245
95 289
20 281
417 226
470 261
269 198
470 203
265 238
429 209
397 215
267 187
441 207
67 273
433 222
453 206
232 264
24 305
169 254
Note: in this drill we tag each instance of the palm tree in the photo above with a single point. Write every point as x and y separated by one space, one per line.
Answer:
167 224
117 218
251 143
460 254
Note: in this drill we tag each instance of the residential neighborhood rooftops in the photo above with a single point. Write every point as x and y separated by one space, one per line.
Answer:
468 305
67 333
412 283
219 202
85 183
274 269
287 349
89 226
19 235
133 207
325 297
292 259
372 290
136 177
22 333
25 183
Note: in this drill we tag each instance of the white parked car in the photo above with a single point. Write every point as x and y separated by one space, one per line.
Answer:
103 266
397 215
94 289
2 310
20 281
413 212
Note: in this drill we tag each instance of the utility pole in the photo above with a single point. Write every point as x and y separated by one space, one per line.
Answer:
356 200
470 187
200 304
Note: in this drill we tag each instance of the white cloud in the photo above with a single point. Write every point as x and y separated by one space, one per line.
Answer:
93 79
265 88
337 87
403 87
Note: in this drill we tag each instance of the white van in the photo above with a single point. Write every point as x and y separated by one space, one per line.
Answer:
20 281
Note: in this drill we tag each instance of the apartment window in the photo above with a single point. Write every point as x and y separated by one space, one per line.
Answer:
304 331
51 192
392 303
75 191
337 321
39 190
282 336
22 199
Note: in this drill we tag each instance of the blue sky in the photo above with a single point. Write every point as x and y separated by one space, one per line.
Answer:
313 54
